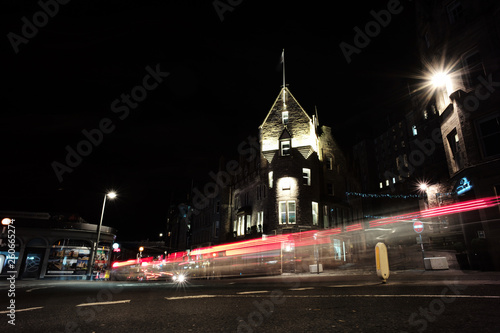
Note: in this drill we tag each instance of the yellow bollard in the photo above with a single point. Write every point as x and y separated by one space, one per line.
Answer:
382 261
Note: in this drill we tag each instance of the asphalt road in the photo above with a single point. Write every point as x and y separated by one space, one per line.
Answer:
307 303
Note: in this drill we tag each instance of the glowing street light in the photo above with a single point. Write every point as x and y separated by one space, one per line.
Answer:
110 195
439 79
6 221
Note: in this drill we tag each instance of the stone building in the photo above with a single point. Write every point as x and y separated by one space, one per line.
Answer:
307 173
292 178
459 44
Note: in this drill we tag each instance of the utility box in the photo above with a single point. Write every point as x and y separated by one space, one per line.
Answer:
314 268
436 263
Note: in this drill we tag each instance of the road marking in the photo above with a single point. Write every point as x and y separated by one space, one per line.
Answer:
28 309
30 290
145 284
104 303
164 284
333 296
253 292
190 297
298 289
354 285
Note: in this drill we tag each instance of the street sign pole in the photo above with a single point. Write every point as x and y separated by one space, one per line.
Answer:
418 226
422 246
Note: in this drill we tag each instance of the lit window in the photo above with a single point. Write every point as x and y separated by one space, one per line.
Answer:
282 208
325 217
249 223
287 212
306 175
381 185
241 226
387 182
414 130
291 212
285 148
315 213
284 117
260 219
270 179
285 183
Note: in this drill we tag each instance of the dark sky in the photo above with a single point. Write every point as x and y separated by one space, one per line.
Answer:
222 81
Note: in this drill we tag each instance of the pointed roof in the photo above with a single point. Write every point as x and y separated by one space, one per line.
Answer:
289 101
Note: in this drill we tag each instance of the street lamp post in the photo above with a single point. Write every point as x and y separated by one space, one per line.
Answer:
111 195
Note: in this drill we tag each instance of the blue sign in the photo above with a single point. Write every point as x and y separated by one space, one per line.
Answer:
463 186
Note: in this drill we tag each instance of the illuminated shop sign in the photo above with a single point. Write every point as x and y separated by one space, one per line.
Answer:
463 186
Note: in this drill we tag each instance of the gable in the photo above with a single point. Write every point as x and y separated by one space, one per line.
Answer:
299 126
291 106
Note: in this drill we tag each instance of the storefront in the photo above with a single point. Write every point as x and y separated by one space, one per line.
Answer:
46 248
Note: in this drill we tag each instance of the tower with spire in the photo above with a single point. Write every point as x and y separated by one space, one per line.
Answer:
297 182
306 171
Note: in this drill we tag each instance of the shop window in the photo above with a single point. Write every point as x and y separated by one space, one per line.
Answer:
71 257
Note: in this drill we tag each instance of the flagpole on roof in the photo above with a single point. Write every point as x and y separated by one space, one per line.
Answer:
283 62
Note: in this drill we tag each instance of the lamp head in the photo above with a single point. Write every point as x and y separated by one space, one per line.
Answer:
439 79
6 221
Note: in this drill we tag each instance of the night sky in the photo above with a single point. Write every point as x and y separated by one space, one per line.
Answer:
70 75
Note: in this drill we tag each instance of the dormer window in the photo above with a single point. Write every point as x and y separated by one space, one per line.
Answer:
284 117
285 147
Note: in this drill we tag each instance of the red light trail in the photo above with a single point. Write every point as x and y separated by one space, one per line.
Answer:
456 208
286 242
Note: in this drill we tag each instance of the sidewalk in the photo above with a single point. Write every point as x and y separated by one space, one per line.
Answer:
411 276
